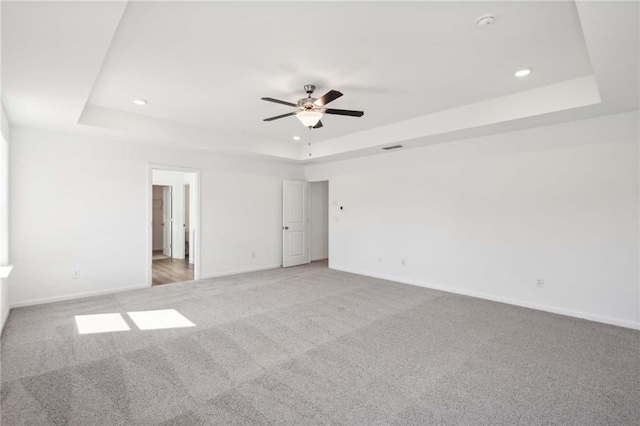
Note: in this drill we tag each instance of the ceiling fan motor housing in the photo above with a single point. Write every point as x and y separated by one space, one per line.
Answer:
306 102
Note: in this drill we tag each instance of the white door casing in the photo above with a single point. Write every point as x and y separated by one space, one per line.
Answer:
295 223
167 221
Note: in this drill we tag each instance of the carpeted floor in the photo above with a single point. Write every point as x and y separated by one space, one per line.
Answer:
308 345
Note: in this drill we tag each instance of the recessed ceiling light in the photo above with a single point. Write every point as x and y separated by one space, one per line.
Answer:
140 102
296 138
204 147
523 73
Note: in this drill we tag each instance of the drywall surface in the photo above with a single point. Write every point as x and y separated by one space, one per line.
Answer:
5 127
319 220
94 196
491 216
4 223
4 211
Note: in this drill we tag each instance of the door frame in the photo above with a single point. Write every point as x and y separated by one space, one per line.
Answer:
196 203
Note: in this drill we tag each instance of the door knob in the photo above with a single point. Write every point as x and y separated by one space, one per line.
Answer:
285 227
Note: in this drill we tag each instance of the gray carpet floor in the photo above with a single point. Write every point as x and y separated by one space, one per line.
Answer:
308 345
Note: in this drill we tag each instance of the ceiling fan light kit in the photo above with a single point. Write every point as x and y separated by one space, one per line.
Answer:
310 110
309 118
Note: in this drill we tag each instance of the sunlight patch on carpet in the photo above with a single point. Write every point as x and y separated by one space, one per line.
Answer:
161 319
100 323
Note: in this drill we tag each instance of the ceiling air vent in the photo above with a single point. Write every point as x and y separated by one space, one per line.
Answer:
388 148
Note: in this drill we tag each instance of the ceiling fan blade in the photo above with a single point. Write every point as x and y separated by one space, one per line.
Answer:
317 126
279 102
344 112
279 116
331 95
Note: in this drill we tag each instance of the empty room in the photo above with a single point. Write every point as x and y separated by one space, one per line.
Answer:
313 212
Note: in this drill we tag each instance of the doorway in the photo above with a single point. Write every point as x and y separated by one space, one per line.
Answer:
319 195
174 216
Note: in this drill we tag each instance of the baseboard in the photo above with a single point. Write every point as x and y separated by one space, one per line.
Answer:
494 298
4 320
74 296
239 271
319 258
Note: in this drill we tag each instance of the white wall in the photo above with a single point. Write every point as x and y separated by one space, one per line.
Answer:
4 198
4 213
319 220
75 199
489 216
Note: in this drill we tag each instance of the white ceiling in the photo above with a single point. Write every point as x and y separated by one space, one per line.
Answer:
203 67
208 64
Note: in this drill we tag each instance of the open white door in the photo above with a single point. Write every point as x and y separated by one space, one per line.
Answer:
166 221
295 223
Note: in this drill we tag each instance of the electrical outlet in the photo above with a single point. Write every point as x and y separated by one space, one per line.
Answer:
75 274
253 253
403 262
540 282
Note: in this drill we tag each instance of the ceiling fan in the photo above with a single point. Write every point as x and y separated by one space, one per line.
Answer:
310 110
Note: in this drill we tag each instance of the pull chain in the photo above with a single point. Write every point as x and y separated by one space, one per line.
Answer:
309 141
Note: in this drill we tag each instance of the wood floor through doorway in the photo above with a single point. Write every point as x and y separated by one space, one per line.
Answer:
170 270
